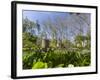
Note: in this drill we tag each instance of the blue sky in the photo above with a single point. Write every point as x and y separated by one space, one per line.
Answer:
43 15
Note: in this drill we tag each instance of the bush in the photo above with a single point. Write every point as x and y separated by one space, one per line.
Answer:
55 58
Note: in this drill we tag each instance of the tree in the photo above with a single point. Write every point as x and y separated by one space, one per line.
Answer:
81 41
28 26
29 41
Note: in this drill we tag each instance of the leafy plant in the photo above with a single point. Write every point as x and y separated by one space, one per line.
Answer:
39 65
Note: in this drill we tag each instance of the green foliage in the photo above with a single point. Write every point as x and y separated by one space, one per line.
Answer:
56 58
29 42
27 60
60 65
82 41
39 65
53 43
35 57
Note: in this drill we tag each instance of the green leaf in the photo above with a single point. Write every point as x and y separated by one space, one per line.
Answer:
39 65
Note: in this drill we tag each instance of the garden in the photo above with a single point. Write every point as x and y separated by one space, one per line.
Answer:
56 44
